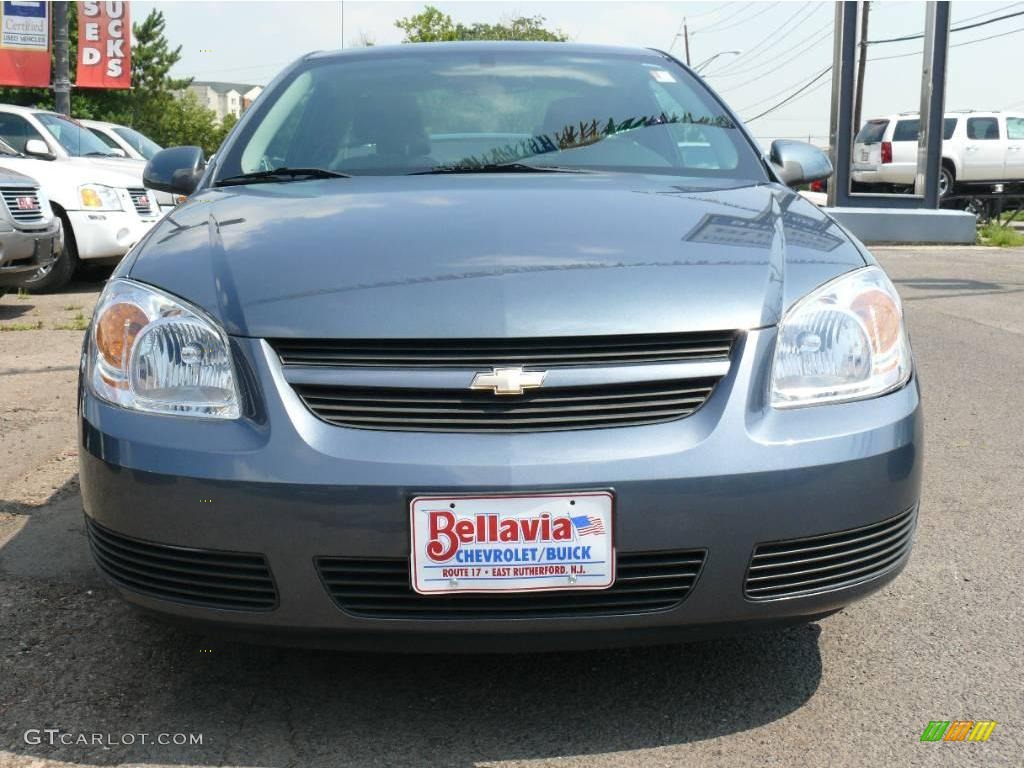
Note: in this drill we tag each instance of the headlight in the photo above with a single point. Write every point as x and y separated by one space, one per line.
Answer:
151 352
844 341
98 197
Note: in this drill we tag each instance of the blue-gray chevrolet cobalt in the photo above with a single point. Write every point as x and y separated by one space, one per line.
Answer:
496 346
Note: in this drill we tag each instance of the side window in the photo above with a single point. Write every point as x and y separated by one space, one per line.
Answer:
1015 128
948 128
105 139
906 130
982 128
15 130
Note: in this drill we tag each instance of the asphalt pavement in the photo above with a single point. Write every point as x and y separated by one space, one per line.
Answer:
942 642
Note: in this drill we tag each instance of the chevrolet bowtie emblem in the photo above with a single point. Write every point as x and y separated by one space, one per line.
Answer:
508 381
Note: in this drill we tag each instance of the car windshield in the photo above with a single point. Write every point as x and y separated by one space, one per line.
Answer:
7 149
473 108
77 140
144 145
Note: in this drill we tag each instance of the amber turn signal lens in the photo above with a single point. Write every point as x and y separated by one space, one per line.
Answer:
116 331
881 317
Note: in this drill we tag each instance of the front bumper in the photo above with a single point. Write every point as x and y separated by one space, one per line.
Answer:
287 486
107 234
23 252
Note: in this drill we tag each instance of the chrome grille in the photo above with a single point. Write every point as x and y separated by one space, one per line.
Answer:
142 200
23 204
546 409
557 352
379 588
213 579
821 563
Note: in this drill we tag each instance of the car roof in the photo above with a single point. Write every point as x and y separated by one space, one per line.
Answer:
18 109
480 46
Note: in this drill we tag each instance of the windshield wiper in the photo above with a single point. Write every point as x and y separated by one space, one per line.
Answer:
99 154
281 174
497 168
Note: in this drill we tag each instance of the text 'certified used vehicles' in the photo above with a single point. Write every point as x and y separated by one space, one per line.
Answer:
496 346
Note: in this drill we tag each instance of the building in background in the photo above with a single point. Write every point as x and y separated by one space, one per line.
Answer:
226 98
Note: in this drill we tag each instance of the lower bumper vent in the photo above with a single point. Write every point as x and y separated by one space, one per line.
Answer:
209 578
821 563
645 582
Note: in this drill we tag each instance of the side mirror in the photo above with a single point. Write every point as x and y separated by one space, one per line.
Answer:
118 152
38 148
176 170
799 163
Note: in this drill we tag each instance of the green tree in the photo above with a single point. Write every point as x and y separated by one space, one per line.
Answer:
432 26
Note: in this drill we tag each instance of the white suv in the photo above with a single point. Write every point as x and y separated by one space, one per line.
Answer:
100 198
977 148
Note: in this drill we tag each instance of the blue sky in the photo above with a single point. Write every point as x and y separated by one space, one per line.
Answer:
784 43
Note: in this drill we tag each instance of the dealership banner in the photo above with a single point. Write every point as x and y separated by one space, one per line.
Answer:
24 43
104 45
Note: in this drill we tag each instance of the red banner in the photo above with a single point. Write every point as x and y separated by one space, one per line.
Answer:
104 45
24 43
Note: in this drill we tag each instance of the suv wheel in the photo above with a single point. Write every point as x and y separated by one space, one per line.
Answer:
55 275
946 181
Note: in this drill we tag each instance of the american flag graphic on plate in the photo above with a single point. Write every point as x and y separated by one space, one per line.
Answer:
588 525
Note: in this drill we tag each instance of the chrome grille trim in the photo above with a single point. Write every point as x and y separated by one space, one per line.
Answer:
554 352
18 214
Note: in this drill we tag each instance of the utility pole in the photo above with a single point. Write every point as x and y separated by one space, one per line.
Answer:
858 99
686 40
61 59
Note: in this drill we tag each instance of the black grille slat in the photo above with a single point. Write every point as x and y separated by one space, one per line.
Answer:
142 200
214 579
432 410
19 214
380 589
475 353
831 561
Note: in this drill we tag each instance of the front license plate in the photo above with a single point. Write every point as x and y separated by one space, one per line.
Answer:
512 543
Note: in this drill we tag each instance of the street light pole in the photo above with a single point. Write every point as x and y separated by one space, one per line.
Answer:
704 63
61 59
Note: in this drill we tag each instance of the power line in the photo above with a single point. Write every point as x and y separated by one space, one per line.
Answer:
804 89
956 45
793 95
770 39
717 26
771 96
987 13
716 9
957 29
778 65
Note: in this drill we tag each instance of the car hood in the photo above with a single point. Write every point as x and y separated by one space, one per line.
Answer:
462 256
126 165
73 170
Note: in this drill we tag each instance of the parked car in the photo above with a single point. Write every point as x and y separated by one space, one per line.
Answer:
133 144
458 347
100 199
978 148
30 235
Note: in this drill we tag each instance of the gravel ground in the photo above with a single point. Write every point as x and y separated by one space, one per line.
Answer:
942 642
